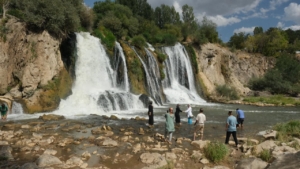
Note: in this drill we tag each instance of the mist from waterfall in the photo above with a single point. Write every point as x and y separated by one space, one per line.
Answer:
95 90
179 84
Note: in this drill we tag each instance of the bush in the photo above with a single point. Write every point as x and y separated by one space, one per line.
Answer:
138 41
216 151
228 92
161 57
265 155
193 57
106 36
291 128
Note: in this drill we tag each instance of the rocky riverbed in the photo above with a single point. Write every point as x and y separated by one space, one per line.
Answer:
100 142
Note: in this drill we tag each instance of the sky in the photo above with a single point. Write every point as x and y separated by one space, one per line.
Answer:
234 16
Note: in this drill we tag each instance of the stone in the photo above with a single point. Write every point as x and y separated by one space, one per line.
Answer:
251 163
37 136
26 126
109 143
270 134
136 148
74 161
141 131
46 160
290 160
204 161
266 145
113 117
153 160
29 166
197 155
279 150
5 152
170 156
200 143
50 152
86 155
3 143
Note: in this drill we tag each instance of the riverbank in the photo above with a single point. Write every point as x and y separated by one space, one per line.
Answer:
108 142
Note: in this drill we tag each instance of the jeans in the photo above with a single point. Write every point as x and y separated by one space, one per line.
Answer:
234 137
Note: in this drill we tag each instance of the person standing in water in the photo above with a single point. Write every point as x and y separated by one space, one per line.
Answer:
150 114
240 117
189 113
199 124
169 125
177 116
231 128
3 110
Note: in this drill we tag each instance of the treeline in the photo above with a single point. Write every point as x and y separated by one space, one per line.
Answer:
272 42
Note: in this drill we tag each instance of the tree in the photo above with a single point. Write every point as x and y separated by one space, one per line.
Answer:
188 14
238 40
209 30
5 5
258 30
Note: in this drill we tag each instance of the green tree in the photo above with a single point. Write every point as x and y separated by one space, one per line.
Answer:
258 30
238 40
139 7
277 42
209 30
166 15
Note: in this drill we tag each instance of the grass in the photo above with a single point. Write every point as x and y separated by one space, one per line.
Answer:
229 92
278 100
286 131
215 151
265 155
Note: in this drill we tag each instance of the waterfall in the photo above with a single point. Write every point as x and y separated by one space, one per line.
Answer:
151 77
96 89
120 68
179 85
16 108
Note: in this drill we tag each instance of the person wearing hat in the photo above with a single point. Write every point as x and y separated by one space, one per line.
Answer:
150 114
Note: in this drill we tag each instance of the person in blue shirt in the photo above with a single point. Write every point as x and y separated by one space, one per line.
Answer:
231 128
240 117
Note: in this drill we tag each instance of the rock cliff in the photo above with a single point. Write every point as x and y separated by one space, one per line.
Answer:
29 62
219 66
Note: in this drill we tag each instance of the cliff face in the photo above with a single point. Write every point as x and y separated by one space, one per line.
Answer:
28 63
219 66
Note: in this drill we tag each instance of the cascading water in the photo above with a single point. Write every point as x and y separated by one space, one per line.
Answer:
96 89
151 78
179 85
120 68
16 108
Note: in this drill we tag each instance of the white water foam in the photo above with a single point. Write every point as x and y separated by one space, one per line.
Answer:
179 85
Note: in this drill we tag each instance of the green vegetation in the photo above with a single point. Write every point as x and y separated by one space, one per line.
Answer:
138 41
278 100
3 30
284 78
265 155
193 58
226 91
59 17
215 151
106 36
286 131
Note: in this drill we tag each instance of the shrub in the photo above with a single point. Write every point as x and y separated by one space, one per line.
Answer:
161 57
193 57
215 151
228 92
265 155
106 36
138 41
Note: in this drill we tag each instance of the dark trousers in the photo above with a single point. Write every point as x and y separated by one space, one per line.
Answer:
151 120
234 137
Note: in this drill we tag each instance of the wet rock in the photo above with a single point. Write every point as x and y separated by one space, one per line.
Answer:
109 143
136 148
86 155
141 131
144 99
46 160
5 152
3 143
29 166
51 117
26 126
251 163
153 160
50 152
113 117
104 157
290 160
37 136
279 150
197 155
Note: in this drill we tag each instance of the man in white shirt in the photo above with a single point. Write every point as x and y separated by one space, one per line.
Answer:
199 124
189 114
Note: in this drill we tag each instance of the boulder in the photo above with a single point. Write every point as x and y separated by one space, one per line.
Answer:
200 144
290 160
153 160
46 160
266 145
5 152
251 163
271 134
109 143
113 117
74 161
50 152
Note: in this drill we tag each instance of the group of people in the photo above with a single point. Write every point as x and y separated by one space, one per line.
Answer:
232 122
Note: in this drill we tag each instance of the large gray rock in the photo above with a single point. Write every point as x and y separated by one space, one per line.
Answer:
46 160
266 145
286 161
251 163
5 152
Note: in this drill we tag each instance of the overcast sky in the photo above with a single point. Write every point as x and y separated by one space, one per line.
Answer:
239 15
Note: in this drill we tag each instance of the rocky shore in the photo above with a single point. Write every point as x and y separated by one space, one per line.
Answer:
101 142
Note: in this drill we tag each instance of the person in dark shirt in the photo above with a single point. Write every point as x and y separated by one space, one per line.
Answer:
150 114
177 116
